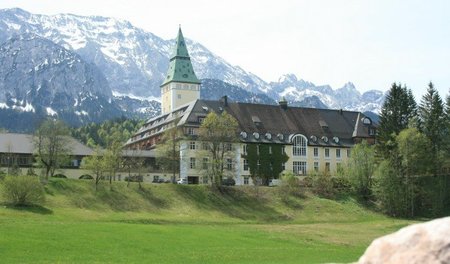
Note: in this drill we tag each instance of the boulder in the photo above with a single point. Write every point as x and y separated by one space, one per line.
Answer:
427 242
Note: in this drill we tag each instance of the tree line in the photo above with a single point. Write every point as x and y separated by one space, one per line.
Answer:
406 173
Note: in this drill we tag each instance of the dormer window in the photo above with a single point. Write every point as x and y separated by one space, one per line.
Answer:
268 136
336 140
313 138
243 134
366 121
280 136
323 124
256 135
325 139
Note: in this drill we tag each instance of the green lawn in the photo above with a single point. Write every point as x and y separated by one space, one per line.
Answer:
186 224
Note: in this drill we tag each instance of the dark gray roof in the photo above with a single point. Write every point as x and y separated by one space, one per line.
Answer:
23 144
272 123
338 126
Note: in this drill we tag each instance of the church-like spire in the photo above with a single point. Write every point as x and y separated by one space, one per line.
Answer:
180 68
180 49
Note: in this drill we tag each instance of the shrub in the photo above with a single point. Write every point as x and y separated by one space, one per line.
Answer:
23 190
323 185
291 185
228 182
86 177
341 184
30 172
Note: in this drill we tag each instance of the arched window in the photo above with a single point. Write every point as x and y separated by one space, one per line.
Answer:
299 146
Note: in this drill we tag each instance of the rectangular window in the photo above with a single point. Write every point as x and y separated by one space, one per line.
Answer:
316 166
299 167
338 153
192 163
228 147
205 146
200 119
229 164
191 131
205 163
192 145
349 153
316 152
245 165
246 180
244 149
283 166
327 166
327 153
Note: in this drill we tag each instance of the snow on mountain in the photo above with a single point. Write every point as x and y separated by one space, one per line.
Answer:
347 97
41 77
134 62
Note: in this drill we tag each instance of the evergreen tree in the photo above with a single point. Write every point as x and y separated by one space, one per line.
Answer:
432 123
398 110
447 130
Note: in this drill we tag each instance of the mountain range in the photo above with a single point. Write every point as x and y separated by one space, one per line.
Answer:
88 69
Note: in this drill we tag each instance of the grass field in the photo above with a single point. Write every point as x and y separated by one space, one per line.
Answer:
186 224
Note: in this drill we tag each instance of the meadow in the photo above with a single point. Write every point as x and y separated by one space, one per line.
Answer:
165 223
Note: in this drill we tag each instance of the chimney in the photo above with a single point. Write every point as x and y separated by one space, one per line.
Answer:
224 100
283 103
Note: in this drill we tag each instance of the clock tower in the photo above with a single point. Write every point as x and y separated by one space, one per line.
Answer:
180 85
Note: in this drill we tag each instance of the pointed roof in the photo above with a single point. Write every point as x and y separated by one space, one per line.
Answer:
180 66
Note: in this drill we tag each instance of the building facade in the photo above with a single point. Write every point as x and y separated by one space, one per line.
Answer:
312 139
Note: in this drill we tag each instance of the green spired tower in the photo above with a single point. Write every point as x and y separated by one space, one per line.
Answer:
180 85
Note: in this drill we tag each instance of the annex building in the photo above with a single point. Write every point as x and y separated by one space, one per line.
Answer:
312 139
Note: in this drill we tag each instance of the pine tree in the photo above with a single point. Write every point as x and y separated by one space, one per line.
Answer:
432 119
398 110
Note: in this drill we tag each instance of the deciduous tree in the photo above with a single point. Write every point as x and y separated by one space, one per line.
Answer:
360 169
168 150
218 133
52 147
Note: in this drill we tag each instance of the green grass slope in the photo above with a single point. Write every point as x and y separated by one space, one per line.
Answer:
168 223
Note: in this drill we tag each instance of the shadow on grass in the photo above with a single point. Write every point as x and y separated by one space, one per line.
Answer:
157 202
235 202
291 202
116 200
36 209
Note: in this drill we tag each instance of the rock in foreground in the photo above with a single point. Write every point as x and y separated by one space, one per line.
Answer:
420 243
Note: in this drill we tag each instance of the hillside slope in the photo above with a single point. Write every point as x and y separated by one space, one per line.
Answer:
165 223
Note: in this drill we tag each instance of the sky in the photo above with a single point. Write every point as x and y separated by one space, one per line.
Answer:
371 43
